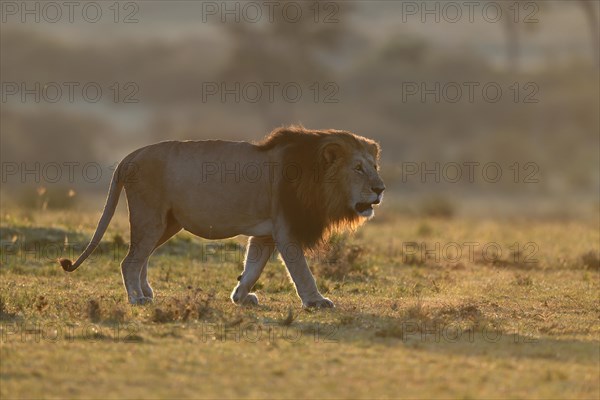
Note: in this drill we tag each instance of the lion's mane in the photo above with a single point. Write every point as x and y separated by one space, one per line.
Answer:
314 190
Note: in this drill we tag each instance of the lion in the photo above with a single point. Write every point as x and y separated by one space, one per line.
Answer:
288 192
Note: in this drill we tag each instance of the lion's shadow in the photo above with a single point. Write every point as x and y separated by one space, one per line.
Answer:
449 338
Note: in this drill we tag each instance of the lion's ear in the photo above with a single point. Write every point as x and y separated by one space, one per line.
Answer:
331 152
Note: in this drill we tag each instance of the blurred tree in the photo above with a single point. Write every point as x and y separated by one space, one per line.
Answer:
50 135
511 30
282 51
518 16
591 12
513 19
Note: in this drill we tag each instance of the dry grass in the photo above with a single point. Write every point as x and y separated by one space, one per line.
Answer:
472 327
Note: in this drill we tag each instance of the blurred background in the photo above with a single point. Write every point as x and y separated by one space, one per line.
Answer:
489 108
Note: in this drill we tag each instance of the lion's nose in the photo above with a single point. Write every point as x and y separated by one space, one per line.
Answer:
378 190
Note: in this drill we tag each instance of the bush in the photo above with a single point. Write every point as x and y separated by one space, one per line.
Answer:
438 206
341 260
591 260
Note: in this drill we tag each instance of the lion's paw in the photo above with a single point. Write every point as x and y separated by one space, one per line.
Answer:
319 303
250 300
140 301
147 291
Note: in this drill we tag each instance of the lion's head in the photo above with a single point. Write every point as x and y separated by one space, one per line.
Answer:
335 181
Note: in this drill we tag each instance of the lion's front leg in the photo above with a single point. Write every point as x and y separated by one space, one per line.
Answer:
257 254
306 286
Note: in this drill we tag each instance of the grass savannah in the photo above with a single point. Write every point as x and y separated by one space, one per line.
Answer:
441 242
522 324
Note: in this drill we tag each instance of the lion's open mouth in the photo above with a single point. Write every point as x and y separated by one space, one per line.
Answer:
363 207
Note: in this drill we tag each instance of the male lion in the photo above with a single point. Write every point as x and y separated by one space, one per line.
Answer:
287 192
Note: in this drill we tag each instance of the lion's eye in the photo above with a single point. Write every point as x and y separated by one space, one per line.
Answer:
359 168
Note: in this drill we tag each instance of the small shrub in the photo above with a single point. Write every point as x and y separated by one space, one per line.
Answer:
195 305
164 315
523 280
422 320
342 259
4 314
591 260
438 206
93 311
118 240
289 318
117 314
41 303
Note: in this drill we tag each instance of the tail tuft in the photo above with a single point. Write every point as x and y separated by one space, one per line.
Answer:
66 264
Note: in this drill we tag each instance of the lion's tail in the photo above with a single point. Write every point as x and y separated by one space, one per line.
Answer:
116 185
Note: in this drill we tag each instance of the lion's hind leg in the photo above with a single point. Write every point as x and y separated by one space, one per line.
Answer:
173 227
147 225
131 268
258 252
